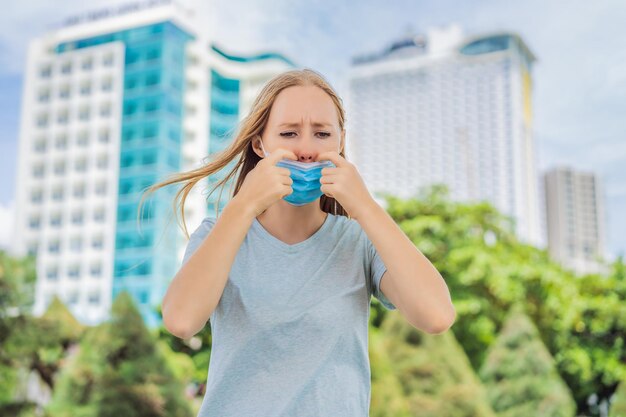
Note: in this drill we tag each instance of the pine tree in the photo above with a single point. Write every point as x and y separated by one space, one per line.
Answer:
520 374
618 402
428 375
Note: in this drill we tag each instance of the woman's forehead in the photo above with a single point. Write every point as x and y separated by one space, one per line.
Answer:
298 110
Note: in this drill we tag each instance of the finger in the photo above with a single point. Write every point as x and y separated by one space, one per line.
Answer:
286 180
333 157
328 179
330 171
279 154
327 189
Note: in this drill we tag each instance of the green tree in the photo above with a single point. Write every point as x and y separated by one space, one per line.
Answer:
17 276
581 320
119 371
618 404
415 373
198 348
593 353
520 374
28 344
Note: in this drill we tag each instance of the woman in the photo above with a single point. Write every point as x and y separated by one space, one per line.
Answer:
286 273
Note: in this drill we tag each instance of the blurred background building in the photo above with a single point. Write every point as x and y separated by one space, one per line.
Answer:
113 102
443 107
575 210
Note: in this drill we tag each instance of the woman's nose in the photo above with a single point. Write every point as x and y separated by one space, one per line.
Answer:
306 156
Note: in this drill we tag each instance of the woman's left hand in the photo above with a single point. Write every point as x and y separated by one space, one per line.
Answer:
344 184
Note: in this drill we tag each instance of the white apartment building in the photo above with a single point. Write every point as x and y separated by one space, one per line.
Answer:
447 108
113 102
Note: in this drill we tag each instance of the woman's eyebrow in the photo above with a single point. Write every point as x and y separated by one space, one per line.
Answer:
317 124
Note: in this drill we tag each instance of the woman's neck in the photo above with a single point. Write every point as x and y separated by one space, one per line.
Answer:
292 224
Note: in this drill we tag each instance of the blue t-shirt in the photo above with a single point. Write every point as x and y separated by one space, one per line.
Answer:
290 329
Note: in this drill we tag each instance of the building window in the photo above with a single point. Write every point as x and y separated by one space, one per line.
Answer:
79 190
39 145
105 109
57 194
151 106
107 84
152 79
96 270
127 161
38 171
148 158
99 215
73 271
52 273
66 68
130 108
102 162
77 217
103 136
76 244
64 91
83 138
94 298
45 72
63 117
80 165
36 196
33 248
87 64
101 188
59 168
97 242
61 142
42 120
72 298
83 113
126 187
34 222
55 220
108 60
85 89
44 96
54 247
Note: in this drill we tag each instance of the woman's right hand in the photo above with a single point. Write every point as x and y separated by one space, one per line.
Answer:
266 183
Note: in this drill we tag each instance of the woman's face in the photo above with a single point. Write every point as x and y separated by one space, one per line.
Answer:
303 119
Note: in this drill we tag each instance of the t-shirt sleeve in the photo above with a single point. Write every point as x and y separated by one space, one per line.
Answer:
376 271
197 237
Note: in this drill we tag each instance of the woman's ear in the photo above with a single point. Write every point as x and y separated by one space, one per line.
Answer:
256 145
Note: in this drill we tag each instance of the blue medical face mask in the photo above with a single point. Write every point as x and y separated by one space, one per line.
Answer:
306 179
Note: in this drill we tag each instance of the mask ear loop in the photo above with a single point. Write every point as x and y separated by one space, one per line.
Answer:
262 148
339 152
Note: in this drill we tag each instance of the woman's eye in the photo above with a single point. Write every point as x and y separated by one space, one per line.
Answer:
324 134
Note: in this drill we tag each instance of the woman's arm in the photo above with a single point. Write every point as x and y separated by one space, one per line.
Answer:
411 282
197 288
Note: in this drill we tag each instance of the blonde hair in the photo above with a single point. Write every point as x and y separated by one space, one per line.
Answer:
251 126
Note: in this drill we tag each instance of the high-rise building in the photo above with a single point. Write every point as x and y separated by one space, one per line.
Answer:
575 212
446 108
113 102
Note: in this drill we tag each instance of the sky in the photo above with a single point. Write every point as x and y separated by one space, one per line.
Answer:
579 78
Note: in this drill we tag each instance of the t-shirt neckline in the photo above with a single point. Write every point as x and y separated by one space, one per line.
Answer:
296 246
